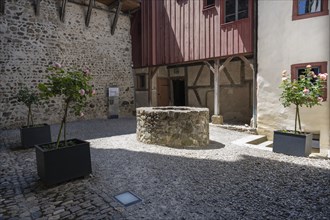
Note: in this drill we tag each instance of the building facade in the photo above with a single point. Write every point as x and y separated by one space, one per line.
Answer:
196 53
292 34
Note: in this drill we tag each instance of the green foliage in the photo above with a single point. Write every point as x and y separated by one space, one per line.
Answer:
29 98
306 91
72 85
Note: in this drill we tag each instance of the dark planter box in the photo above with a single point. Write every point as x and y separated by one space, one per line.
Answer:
63 164
39 134
292 144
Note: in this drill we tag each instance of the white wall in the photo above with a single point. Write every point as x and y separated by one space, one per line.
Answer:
281 43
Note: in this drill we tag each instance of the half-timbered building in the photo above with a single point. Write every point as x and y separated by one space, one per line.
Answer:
196 53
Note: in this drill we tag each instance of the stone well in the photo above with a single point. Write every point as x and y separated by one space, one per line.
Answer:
173 126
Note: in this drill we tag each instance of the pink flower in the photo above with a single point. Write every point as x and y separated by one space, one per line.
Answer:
57 65
323 76
93 92
308 66
284 73
320 99
305 91
81 114
82 92
86 70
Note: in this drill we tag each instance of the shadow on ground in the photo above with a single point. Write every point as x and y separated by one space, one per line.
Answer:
172 187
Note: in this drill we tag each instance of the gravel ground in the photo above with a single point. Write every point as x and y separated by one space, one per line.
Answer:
222 181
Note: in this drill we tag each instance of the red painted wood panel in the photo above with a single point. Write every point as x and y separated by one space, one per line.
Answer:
178 31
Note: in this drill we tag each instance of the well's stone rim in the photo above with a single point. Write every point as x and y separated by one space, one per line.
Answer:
172 109
173 126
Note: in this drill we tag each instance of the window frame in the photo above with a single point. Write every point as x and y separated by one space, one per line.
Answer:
223 18
295 11
323 69
138 86
206 6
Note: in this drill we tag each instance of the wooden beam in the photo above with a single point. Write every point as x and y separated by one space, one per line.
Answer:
216 87
63 9
223 66
198 75
113 4
198 97
115 19
228 76
37 7
89 12
2 7
151 74
210 66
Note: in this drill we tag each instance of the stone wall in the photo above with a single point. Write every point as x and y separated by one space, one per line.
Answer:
29 44
173 126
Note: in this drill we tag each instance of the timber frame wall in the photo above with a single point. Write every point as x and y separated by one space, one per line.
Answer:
167 32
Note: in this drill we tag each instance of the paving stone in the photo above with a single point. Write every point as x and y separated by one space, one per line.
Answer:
225 181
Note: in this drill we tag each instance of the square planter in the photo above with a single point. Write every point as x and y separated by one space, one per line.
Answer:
38 134
292 144
58 165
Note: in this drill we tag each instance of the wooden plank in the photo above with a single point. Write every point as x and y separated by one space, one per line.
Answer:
196 41
177 32
167 15
235 37
202 33
153 32
63 10
240 38
186 32
207 34
89 12
173 43
212 43
115 19
191 30
217 33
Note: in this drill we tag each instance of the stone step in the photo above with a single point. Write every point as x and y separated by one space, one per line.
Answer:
255 141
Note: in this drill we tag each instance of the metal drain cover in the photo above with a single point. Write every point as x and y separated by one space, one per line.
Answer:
127 198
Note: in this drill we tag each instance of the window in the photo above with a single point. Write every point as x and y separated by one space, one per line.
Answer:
309 8
208 3
236 10
141 82
318 67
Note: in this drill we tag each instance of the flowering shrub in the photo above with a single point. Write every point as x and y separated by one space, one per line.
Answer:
28 97
305 91
70 84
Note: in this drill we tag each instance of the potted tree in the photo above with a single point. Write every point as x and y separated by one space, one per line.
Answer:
32 134
306 91
65 159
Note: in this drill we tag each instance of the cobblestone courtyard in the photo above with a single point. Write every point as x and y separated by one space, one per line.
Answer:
222 181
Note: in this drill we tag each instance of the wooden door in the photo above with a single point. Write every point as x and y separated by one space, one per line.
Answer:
163 92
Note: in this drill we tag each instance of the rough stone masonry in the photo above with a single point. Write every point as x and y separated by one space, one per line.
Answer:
29 43
173 126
